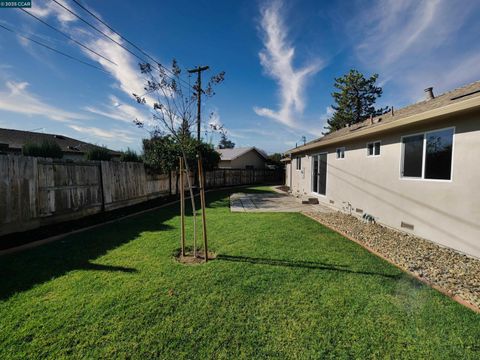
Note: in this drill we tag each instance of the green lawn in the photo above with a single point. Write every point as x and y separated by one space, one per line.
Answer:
283 287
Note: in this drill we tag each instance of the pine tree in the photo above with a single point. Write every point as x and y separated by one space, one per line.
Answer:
225 143
355 100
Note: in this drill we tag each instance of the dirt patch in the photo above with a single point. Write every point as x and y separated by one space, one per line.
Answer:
190 259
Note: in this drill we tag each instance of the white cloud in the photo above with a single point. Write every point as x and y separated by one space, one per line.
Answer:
16 98
47 8
126 72
123 136
415 44
117 110
394 27
277 60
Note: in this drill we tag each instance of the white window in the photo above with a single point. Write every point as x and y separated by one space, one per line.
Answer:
341 153
298 162
428 155
373 148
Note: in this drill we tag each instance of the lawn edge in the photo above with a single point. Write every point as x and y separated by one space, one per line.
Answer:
50 239
456 298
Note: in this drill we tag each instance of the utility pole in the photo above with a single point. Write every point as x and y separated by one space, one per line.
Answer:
199 70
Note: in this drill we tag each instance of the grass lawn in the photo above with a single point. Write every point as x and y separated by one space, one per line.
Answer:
283 287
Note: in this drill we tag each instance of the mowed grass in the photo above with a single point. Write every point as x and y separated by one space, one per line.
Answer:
283 287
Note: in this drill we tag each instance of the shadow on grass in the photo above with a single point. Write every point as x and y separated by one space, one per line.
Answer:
21 271
302 265
101 267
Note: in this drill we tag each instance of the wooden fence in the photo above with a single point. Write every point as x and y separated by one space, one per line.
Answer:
36 192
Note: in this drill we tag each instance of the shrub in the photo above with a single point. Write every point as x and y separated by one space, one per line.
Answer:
47 149
130 156
98 153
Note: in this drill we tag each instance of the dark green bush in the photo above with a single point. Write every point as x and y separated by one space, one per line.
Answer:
47 149
130 156
98 153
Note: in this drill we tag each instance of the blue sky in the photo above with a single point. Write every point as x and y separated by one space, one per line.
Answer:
280 59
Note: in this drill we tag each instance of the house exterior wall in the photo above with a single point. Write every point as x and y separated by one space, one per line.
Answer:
446 212
251 158
224 164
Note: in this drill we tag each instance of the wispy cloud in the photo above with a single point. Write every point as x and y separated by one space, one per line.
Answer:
277 59
16 98
414 44
395 27
48 8
117 110
126 72
123 136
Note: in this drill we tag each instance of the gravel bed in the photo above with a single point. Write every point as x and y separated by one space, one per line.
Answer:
457 273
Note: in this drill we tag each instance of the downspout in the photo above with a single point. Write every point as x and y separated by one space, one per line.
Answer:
291 165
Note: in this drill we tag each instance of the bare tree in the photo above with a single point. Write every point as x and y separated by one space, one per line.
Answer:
173 111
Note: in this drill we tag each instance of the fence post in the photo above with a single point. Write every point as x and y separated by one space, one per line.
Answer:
102 191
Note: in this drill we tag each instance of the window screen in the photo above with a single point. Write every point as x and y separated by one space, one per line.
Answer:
412 156
438 155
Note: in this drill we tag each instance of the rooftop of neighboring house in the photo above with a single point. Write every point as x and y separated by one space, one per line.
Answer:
432 106
17 138
232 154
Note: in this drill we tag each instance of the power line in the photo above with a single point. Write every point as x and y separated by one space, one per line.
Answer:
52 49
124 38
108 37
67 36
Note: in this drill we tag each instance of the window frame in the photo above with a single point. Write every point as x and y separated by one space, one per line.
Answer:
343 149
379 149
298 163
424 153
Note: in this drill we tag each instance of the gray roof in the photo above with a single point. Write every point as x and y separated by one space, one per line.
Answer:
457 95
231 154
17 138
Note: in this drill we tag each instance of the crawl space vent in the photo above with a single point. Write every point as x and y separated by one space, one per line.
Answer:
407 226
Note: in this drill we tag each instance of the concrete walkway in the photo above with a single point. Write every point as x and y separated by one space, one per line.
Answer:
271 202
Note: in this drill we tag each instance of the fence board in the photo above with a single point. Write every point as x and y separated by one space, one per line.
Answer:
36 192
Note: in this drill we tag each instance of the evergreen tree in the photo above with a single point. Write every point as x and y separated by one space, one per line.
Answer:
355 100
225 143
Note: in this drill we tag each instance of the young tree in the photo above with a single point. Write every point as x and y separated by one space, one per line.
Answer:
174 110
225 143
161 153
355 100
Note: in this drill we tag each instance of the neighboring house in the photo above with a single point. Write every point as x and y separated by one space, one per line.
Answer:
416 169
12 141
242 158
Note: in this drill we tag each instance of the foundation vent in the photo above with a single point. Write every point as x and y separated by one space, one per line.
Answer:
359 211
332 202
406 226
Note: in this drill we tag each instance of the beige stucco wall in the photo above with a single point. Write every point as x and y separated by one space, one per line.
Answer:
447 212
251 158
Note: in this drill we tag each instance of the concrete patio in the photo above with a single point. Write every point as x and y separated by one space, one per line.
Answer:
271 202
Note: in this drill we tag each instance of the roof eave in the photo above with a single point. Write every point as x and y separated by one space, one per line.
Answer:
445 111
